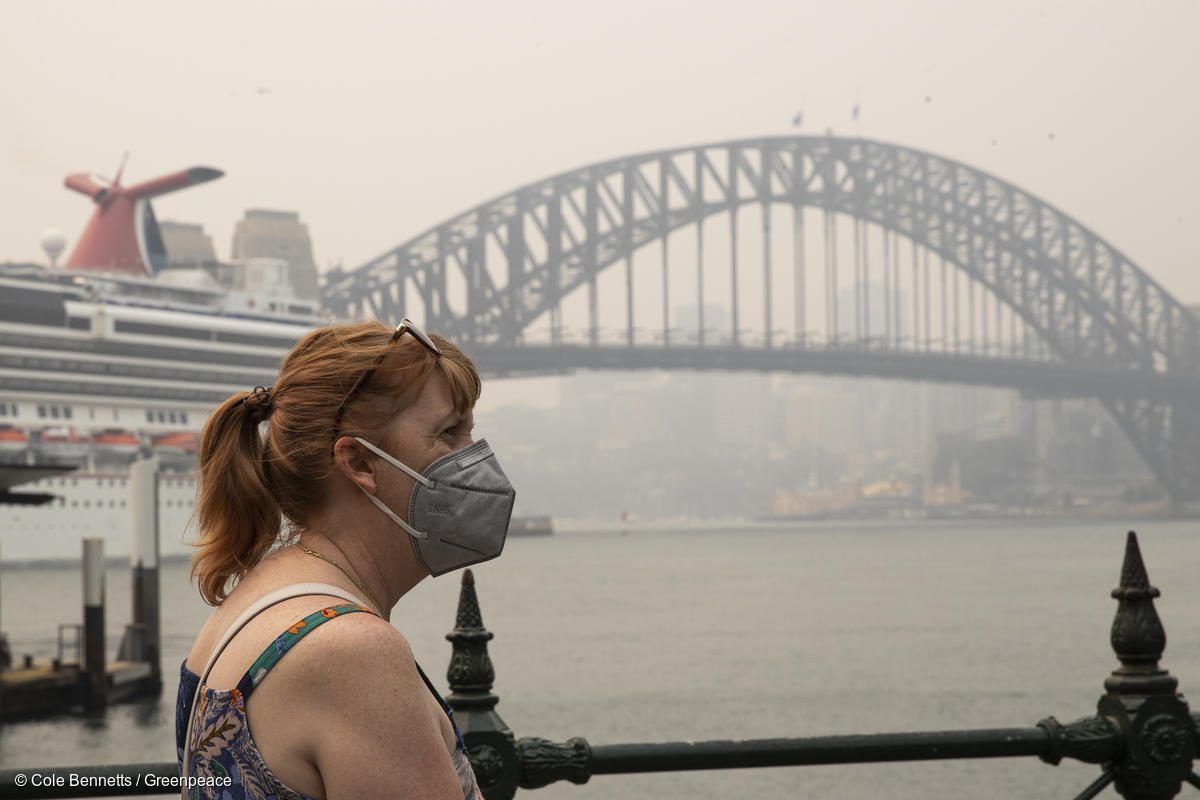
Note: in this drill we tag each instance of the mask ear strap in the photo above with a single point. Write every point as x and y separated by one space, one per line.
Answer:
413 532
416 476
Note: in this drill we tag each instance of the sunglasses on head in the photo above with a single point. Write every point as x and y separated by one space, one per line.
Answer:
406 326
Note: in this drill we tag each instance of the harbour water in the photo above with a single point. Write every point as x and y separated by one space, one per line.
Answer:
707 634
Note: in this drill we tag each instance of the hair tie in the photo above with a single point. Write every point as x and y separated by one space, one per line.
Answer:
259 403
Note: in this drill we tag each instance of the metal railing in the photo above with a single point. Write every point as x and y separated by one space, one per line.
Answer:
1143 736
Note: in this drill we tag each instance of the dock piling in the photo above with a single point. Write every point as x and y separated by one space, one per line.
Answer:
142 636
95 674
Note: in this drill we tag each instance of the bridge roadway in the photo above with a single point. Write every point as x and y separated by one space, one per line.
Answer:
1035 377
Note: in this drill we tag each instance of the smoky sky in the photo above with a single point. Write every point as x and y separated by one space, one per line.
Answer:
377 120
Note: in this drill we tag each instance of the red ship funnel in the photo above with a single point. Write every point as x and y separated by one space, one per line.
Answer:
123 235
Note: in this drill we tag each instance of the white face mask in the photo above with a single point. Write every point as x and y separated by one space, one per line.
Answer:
460 507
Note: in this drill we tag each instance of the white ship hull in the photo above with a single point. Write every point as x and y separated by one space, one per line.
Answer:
95 369
94 504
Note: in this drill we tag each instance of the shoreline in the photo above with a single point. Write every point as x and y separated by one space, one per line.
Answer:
585 525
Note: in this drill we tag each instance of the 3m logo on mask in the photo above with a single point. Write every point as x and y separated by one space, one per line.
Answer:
438 508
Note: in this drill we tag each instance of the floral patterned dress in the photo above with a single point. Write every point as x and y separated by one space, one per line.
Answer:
222 746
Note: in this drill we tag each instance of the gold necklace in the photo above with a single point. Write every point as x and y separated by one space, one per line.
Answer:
344 572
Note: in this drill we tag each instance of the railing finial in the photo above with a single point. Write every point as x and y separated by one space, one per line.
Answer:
471 674
1138 637
469 616
490 743
1157 730
1134 578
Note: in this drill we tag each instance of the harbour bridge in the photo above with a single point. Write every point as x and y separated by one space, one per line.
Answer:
823 254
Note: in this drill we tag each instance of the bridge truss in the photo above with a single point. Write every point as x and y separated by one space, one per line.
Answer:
863 257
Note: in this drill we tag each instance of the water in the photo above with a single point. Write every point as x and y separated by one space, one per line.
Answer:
673 635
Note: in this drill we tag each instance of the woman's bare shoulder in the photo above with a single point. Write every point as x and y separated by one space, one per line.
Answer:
354 651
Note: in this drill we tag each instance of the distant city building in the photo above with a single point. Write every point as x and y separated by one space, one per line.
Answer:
187 244
279 234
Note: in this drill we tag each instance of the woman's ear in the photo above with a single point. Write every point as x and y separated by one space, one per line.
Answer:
355 462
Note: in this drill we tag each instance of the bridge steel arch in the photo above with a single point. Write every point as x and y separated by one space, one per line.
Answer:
516 256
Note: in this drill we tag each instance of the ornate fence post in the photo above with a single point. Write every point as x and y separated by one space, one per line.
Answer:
1159 733
470 676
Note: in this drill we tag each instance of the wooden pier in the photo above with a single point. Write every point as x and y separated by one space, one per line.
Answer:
43 689
89 681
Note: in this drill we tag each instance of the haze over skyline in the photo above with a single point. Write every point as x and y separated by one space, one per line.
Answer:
376 121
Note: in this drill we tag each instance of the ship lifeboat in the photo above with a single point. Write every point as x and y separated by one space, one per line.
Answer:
177 444
13 440
177 451
116 442
62 443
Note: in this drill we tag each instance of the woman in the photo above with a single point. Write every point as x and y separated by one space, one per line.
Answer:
368 460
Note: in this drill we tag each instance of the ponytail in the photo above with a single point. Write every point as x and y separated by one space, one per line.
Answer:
238 515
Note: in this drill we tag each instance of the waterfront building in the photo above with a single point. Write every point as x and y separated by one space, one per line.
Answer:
280 235
187 244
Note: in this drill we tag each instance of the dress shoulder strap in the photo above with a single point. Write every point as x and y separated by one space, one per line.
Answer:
286 640
259 605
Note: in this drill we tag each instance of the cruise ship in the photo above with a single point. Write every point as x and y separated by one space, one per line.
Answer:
119 354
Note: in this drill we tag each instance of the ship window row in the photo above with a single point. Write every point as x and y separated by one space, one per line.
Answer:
141 350
32 307
8 409
102 483
64 482
61 502
125 326
156 371
167 417
54 411
141 392
113 503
